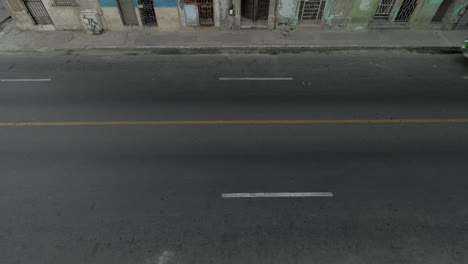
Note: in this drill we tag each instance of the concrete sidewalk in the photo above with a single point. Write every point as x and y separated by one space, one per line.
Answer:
14 40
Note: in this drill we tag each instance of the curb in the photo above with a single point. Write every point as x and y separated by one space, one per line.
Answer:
262 49
273 49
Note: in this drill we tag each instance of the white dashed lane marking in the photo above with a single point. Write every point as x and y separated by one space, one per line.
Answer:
256 79
25 80
277 194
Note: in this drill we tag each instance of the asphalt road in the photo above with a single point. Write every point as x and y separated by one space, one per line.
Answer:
151 194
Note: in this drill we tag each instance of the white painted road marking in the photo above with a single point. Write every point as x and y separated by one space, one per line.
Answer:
256 79
279 194
466 77
25 80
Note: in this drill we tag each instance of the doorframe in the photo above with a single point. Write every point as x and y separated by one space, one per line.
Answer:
271 20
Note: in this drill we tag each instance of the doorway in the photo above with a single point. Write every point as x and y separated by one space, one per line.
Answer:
38 12
442 10
254 12
148 16
205 10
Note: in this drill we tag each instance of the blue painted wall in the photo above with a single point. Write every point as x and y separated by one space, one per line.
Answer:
165 3
108 3
156 3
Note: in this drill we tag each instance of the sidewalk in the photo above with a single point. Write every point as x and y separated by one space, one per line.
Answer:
13 39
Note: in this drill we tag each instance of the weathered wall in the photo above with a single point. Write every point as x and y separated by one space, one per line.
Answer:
336 14
362 13
168 18
68 17
454 14
167 15
111 19
223 14
357 14
110 15
424 13
3 12
287 12
63 17
272 14
21 16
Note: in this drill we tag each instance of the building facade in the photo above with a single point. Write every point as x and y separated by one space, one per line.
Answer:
175 15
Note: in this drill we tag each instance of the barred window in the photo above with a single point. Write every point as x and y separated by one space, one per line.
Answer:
64 3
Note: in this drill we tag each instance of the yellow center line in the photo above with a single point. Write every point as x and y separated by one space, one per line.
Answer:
235 122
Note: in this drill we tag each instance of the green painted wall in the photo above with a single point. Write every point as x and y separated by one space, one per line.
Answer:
336 14
422 17
454 13
424 13
287 11
358 14
362 13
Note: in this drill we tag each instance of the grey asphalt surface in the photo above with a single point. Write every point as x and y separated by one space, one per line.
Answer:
152 194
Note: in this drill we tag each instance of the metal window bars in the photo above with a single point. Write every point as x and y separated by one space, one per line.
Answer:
384 9
406 10
261 11
64 3
311 9
148 16
38 12
205 11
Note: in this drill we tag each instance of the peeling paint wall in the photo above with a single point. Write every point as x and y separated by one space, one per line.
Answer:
68 17
287 12
456 13
63 17
167 18
424 13
223 7
362 13
20 14
336 14
358 14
